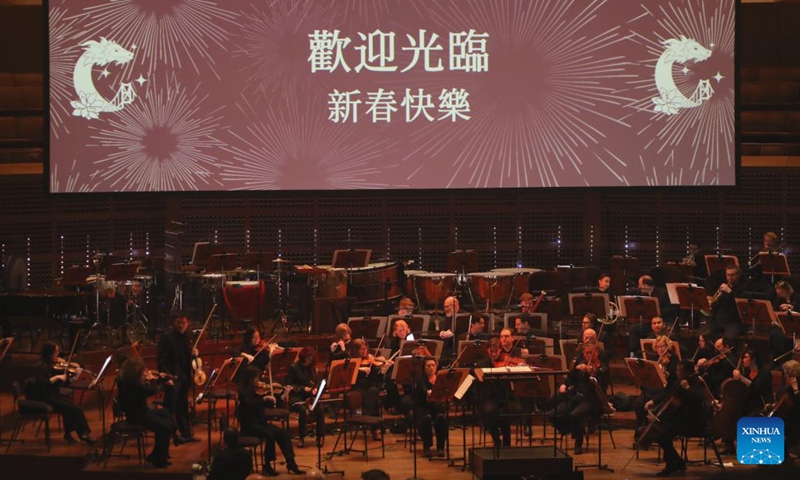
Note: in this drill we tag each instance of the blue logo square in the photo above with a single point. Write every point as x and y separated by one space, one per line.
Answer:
759 441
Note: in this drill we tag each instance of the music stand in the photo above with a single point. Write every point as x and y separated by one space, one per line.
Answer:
789 323
435 347
461 323
280 360
690 297
406 370
646 373
773 263
366 327
632 306
462 261
624 265
257 261
583 303
472 353
353 258
443 392
548 362
222 262
343 375
758 312
203 250
416 323
720 262
75 276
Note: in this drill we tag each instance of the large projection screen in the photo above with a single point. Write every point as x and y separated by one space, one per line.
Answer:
224 95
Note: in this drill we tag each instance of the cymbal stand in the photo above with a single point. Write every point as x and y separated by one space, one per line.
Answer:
280 312
97 328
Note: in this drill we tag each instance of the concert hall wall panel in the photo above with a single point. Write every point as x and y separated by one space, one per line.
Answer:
592 224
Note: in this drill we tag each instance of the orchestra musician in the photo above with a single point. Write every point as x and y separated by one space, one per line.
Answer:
401 332
696 260
668 363
579 400
656 328
405 307
785 301
720 366
340 348
496 398
254 350
254 423
301 376
429 416
758 380
590 321
689 419
135 384
770 243
724 314
175 358
704 349
45 387
369 380
603 284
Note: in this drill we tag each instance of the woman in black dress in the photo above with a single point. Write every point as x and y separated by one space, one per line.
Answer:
302 378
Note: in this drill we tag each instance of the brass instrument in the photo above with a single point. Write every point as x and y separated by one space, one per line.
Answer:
611 316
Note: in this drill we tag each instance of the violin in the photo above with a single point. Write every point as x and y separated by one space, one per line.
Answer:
199 375
70 368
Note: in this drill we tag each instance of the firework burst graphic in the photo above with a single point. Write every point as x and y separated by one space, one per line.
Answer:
73 182
174 33
165 141
292 148
539 126
704 134
274 45
64 52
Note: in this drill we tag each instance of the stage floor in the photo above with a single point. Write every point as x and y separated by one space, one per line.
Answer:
31 458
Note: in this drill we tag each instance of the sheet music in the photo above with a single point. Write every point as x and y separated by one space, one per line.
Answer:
464 387
509 369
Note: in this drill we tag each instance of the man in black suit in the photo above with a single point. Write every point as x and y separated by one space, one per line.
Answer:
647 288
232 463
175 358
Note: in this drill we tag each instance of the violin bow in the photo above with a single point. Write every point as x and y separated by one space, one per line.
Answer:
205 325
72 352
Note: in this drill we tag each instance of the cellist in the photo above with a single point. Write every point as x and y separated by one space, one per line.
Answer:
689 419
791 392
580 402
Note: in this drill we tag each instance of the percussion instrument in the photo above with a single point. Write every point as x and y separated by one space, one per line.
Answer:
491 287
433 287
375 282
409 286
522 278
244 299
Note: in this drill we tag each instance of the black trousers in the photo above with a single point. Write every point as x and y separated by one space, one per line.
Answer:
666 442
427 424
299 406
499 427
163 427
370 402
176 401
272 434
74 418
571 416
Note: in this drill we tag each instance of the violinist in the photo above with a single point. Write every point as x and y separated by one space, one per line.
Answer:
369 380
508 352
254 351
429 416
785 301
719 367
496 398
48 381
579 400
590 321
725 318
175 358
341 345
254 423
667 363
758 380
704 349
689 419
301 376
135 384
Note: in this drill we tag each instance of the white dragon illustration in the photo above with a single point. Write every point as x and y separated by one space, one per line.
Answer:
671 100
90 103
